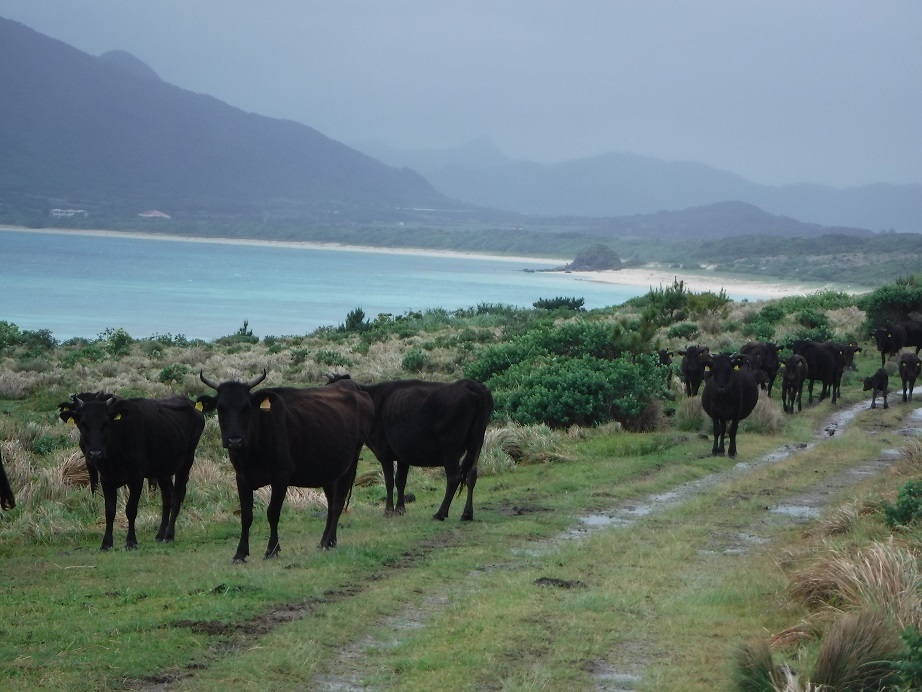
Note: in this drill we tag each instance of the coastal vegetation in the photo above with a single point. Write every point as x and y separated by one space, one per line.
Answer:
610 548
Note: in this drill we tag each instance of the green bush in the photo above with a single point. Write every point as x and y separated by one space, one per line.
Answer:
414 360
559 303
908 506
173 373
355 321
332 358
604 340
118 342
561 391
910 665
893 302
683 330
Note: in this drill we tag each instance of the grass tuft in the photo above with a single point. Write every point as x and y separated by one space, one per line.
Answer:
858 653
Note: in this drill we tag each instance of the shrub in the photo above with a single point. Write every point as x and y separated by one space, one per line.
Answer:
893 302
118 342
683 331
332 358
561 391
559 303
355 321
173 374
910 663
414 360
908 506
9 335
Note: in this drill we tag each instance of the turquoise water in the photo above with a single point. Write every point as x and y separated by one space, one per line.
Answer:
80 285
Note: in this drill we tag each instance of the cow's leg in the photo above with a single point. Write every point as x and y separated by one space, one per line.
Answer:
886 405
800 396
471 481
874 398
131 511
734 424
403 471
179 494
810 391
273 512
452 481
718 448
165 483
245 495
336 494
110 496
387 466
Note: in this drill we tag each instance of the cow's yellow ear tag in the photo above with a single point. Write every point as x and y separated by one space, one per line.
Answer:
118 416
199 406
71 422
265 405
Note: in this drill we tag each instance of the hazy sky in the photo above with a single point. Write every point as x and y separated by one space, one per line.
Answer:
779 91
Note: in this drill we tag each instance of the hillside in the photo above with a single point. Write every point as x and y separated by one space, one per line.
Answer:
623 184
107 135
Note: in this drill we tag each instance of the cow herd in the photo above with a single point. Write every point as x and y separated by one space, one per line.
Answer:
732 381
279 437
312 437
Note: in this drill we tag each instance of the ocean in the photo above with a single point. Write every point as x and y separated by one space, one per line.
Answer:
79 285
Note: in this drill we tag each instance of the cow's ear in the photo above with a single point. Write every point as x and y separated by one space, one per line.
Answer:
682 352
117 412
262 400
68 416
206 404
858 349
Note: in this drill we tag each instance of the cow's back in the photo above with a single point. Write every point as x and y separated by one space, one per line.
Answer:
159 435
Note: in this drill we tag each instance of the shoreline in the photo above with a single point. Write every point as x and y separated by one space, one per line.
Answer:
650 276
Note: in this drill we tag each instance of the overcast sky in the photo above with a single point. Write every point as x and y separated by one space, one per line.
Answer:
780 91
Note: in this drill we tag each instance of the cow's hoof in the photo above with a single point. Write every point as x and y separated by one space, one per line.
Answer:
438 517
239 561
467 517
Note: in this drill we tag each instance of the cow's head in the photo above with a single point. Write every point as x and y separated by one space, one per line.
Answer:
795 369
94 415
722 366
850 349
235 403
665 357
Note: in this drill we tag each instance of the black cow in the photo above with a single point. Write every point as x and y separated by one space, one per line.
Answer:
913 329
764 356
692 367
282 436
428 424
824 364
890 339
845 359
792 382
665 357
729 396
910 368
7 500
125 441
877 384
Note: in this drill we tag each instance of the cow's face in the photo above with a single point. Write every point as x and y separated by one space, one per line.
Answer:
721 367
95 421
883 337
235 404
795 368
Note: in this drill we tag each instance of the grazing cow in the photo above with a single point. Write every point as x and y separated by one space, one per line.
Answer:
890 339
824 364
282 436
7 501
428 424
692 367
125 441
910 368
729 396
877 384
792 382
764 356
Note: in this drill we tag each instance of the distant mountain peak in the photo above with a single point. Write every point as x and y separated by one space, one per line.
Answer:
130 64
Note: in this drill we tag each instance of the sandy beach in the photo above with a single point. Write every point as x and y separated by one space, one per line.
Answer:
643 277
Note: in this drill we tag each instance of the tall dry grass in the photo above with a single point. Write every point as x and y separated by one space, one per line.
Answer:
883 576
506 447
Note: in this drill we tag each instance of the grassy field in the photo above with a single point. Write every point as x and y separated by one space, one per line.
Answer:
598 558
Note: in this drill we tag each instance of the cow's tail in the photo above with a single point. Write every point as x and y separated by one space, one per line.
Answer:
475 433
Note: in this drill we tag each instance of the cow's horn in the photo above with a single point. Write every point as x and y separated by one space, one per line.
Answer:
210 383
256 380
